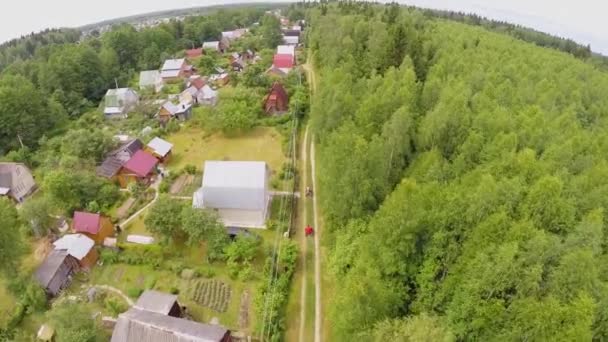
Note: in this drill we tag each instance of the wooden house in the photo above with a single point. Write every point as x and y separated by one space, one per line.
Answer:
175 69
160 148
115 159
277 101
140 168
80 247
55 272
95 226
16 181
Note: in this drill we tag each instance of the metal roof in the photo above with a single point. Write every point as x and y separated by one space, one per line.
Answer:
49 267
173 64
235 185
160 146
149 78
76 245
155 301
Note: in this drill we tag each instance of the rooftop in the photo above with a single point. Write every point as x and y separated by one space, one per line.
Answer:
84 222
160 146
141 164
155 301
173 64
76 245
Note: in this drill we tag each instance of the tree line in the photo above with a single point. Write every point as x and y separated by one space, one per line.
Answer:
462 178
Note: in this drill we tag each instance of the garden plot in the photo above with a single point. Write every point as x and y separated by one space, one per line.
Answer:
213 294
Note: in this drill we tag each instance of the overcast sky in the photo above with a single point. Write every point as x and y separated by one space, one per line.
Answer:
582 20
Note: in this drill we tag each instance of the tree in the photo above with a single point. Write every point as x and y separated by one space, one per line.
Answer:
10 239
270 30
35 212
164 217
243 250
126 43
238 111
200 224
73 323
72 190
90 144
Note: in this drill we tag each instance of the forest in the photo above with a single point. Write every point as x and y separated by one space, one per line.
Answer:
463 180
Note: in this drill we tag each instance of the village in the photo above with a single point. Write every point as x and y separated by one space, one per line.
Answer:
193 152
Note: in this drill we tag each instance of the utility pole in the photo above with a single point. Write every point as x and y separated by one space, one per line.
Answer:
20 141
116 82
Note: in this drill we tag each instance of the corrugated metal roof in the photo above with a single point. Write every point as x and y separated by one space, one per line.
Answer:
160 146
86 222
141 164
172 64
140 325
156 301
286 50
76 245
149 78
49 267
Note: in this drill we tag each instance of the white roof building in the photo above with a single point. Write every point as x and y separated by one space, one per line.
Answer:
237 190
291 40
286 50
160 147
76 245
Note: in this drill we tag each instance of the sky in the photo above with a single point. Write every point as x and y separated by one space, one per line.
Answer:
582 20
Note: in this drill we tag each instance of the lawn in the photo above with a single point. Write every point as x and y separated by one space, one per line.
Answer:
192 146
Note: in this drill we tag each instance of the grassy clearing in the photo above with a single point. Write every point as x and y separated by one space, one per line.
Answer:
192 146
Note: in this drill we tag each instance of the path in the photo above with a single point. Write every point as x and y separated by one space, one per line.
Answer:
318 312
303 242
115 290
285 193
154 186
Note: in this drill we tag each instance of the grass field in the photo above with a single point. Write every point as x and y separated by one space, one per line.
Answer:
191 146
7 303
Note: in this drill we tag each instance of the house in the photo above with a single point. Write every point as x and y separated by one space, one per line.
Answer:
119 102
197 82
194 53
115 159
236 62
292 31
175 69
150 79
141 169
287 50
281 65
168 111
156 317
55 272
161 149
16 181
93 225
277 101
214 46
207 96
80 247
291 40
236 190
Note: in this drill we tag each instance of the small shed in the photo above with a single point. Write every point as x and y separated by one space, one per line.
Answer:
159 302
160 148
55 272
94 225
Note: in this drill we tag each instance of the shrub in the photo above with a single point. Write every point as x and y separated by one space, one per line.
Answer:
190 169
164 187
134 292
174 290
206 272
115 306
109 256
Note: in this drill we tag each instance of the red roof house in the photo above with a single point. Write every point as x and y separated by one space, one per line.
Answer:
198 83
276 101
282 61
95 226
194 53
140 168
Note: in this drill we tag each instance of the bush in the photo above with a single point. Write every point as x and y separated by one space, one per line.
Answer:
109 256
190 169
206 272
164 187
134 292
174 290
115 306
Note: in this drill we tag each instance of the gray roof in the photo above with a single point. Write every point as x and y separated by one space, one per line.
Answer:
173 64
235 185
112 164
49 267
139 325
155 301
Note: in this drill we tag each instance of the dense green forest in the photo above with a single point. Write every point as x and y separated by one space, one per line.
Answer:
463 177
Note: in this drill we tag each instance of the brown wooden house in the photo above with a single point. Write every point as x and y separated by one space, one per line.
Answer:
141 168
80 247
95 226
55 272
277 101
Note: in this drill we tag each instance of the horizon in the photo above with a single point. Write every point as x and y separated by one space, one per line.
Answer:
565 21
